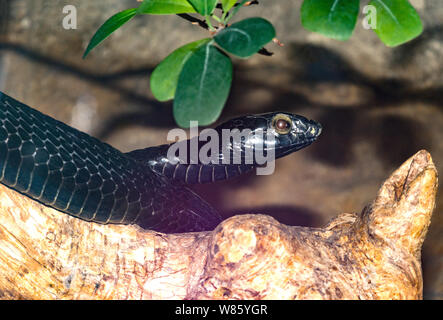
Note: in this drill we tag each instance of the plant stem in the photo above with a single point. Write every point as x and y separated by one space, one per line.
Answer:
223 17
235 10
208 22
216 18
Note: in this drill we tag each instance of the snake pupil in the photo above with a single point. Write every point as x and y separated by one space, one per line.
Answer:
282 124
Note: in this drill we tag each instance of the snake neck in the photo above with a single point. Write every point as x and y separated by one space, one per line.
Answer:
188 166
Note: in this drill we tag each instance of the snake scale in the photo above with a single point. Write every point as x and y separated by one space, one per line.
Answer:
82 176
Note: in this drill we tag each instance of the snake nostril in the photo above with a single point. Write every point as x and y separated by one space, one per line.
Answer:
314 128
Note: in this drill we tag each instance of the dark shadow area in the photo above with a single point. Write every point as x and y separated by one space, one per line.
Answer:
4 17
288 215
404 54
334 146
426 258
401 136
430 258
101 79
154 115
163 118
323 65
215 193
395 137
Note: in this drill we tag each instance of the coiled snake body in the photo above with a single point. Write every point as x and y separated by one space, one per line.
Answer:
73 172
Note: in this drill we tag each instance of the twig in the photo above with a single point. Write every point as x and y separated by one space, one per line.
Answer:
193 20
204 24
277 42
263 51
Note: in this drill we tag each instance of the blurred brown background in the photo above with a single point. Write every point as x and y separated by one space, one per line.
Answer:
378 105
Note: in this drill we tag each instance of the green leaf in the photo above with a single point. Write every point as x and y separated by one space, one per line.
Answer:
165 7
204 7
234 12
110 25
227 4
397 21
246 37
203 86
332 18
164 78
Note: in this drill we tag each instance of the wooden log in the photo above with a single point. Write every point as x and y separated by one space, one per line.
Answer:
46 254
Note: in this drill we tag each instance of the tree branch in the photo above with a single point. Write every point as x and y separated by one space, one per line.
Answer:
204 25
46 254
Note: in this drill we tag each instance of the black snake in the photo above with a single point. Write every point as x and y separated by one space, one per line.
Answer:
73 172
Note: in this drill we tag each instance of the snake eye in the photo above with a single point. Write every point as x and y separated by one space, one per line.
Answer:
282 124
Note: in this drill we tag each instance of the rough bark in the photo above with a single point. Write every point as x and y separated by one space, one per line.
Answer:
45 254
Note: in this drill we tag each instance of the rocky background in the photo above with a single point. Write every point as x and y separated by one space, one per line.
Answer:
378 105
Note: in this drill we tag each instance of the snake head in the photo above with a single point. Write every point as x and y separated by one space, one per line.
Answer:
279 132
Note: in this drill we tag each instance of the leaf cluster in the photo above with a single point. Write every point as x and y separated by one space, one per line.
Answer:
198 75
396 21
